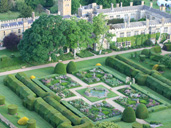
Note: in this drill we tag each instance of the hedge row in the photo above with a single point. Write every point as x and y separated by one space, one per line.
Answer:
161 78
131 63
167 47
159 86
121 66
19 88
50 108
30 84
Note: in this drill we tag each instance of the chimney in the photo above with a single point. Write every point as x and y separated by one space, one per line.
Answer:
112 6
151 4
33 16
142 2
121 4
101 6
131 3
162 21
59 13
117 5
147 22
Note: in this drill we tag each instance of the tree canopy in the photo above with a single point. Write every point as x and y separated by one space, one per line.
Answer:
4 6
46 36
75 5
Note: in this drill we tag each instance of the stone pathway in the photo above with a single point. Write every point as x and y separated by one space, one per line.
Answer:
65 62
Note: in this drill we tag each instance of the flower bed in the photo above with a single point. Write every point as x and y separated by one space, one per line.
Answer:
60 84
96 75
95 112
135 97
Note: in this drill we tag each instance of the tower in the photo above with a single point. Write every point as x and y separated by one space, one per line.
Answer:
64 7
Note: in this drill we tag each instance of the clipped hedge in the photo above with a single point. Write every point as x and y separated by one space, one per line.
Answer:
145 52
141 111
71 67
167 46
2 100
12 109
133 64
31 123
141 78
60 68
156 49
161 78
30 84
128 115
18 87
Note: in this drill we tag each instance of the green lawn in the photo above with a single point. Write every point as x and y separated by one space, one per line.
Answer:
8 53
162 116
94 99
2 125
85 53
124 124
9 15
12 98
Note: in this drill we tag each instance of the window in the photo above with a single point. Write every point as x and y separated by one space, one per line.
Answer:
136 33
118 16
121 34
128 43
128 34
165 29
19 31
66 5
111 17
119 44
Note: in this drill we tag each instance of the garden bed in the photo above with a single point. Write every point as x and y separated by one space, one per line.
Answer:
135 97
95 75
95 112
60 84
110 94
85 53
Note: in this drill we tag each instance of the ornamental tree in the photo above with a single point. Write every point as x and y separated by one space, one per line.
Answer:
100 29
128 115
60 68
71 67
141 111
45 37
11 41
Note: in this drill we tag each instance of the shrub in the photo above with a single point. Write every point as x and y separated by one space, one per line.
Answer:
2 100
155 67
60 68
141 111
162 67
12 109
156 49
146 126
167 47
148 42
106 125
98 64
128 115
31 123
145 52
23 121
142 57
137 125
71 67
32 77
141 78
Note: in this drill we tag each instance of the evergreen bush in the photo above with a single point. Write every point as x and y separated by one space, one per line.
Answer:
128 115
145 52
60 68
141 111
31 123
71 67
162 67
142 57
12 109
2 100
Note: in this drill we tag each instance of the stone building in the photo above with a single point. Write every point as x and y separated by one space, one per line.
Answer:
157 20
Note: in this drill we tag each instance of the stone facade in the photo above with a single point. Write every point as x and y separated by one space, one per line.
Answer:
64 7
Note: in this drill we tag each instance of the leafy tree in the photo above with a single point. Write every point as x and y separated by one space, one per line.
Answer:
106 3
4 6
39 8
129 115
26 11
49 3
75 5
11 41
100 30
106 125
33 3
46 36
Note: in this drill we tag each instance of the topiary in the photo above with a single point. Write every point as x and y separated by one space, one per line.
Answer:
145 52
12 109
60 68
31 123
142 57
71 67
128 115
23 121
141 111
2 100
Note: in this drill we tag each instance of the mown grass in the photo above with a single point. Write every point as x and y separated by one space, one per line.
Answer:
9 15
12 98
8 53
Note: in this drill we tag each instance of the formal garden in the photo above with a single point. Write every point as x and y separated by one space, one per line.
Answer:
95 112
96 75
60 84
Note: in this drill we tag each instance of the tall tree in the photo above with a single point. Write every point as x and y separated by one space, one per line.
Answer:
4 6
11 41
100 29
49 3
75 5
106 3
26 11
45 37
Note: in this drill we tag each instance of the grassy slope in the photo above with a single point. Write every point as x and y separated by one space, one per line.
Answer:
94 99
12 98
9 15
162 116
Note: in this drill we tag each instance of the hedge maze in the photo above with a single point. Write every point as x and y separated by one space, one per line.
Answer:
46 104
143 76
